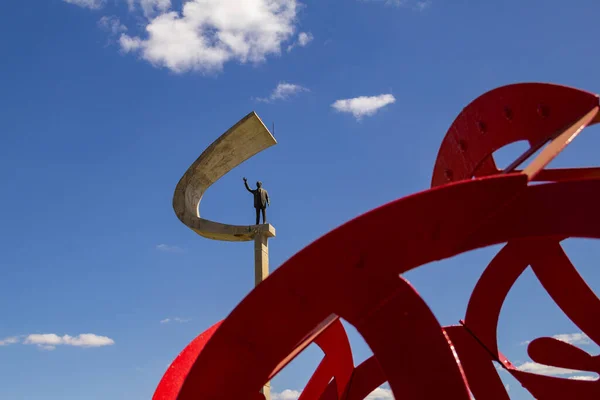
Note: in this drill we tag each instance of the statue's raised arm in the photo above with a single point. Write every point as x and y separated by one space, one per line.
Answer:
248 187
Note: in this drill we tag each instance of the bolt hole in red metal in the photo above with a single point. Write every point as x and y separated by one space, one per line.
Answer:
473 205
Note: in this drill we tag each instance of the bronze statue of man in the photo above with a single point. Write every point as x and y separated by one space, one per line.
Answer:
261 200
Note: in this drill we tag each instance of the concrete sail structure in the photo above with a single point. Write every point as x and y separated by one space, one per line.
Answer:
242 141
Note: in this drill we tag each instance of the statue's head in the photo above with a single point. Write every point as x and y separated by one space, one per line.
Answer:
258 184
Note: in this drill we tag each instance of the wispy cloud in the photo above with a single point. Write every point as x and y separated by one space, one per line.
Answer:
176 319
377 394
168 248
422 5
417 5
91 4
304 38
150 8
283 91
571 338
542 369
49 341
9 340
364 105
286 395
112 25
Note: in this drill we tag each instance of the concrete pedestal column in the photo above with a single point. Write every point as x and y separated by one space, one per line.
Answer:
261 257
261 271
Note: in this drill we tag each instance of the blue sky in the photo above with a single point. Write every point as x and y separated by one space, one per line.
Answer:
104 105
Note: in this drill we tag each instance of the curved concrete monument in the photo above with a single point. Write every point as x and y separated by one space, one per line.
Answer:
242 141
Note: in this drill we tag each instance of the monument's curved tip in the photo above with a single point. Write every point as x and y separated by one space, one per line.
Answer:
242 141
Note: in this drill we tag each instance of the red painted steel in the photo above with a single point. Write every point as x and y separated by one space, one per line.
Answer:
171 383
337 363
533 112
355 276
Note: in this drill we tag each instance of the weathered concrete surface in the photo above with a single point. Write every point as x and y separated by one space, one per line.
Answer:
242 141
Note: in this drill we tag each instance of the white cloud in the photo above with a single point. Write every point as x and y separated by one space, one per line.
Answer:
304 38
286 395
176 319
583 378
112 24
206 34
364 105
129 44
283 91
169 249
9 340
48 341
542 369
377 394
573 338
555 371
91 4
380 394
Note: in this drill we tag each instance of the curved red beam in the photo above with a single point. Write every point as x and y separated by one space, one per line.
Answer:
355 276
533 112
172 381
557 106
349 263
337 365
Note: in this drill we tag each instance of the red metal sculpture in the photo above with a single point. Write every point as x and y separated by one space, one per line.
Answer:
349 274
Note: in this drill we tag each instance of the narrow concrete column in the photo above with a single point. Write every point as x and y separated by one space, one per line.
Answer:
261 257
261 270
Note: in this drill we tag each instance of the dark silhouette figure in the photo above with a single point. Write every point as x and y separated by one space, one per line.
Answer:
261 200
